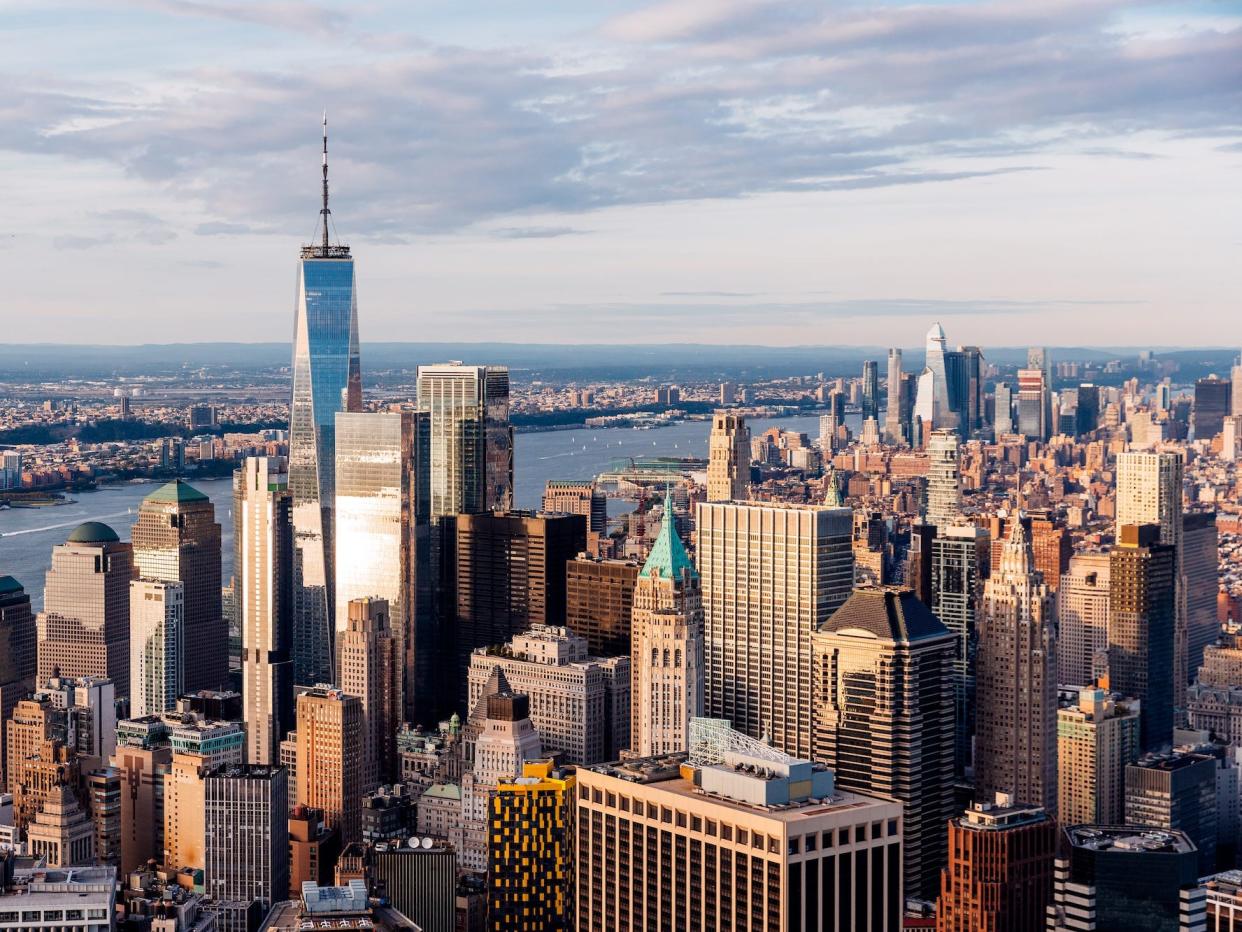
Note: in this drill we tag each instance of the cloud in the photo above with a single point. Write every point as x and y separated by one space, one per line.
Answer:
687 100
74 241
287 15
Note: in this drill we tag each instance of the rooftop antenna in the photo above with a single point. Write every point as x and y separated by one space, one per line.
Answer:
325 212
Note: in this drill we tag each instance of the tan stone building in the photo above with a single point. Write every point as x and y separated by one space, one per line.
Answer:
728 462
371 669
330 758
1096 738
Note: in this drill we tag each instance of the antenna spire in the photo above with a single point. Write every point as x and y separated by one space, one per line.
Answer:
325 212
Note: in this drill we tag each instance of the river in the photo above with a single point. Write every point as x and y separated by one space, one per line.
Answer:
27 535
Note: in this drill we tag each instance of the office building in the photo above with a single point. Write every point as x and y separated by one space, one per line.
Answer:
737 835
1033 397
176 539
999 875
1016 739
81 899
1097 737
33 722
530 851
156 645
577 497
83 629
1002 417
936 406
246 834
579 704
471 442
1200 572
19 653
944 481
972 386
667 657
880 649
870 390
313 848
197 749
62 833
263 532
1142 571
1082 619
376 506
511 574
371 668
771 574
1051 547
330 758
103 793
1213 403
1176 791
420 882
599 598
728 463
961 557
142 765
895 428
1125 877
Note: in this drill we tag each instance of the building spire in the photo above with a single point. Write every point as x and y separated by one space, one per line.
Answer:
1016 556
325 212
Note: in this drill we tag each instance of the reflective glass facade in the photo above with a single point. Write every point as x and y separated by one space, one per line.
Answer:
326 379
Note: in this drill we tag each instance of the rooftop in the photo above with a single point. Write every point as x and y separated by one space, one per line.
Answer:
9 585
668 558
177 492
93 532
1135 839
889 613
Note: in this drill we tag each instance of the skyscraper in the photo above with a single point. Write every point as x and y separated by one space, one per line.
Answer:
972 360
330 758
960 564
1033 397
771 575
471 443
1016 724
371 669
577 497
1096 738
666 662
944 481
1200 573
19 654
1213 403
1141 627
883 716
1177 791
870 390
934 405
376 507
728 464
327 378
176 538
1082 619
999 875
84 626
156 645
599 599
246 834
895 429
263 530
1002 417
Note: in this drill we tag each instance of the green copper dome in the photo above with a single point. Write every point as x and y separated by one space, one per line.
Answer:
176 492
668 557
93 532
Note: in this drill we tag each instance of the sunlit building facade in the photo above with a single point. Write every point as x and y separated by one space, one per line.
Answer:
155 645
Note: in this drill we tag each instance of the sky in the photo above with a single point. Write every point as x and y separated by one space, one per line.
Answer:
715 171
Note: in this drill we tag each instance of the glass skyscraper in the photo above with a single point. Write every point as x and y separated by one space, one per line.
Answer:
327 378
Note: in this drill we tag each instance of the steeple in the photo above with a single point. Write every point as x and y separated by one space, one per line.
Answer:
832 492
1016 556
668 557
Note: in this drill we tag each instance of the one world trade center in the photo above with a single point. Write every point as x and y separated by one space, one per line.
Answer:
326 379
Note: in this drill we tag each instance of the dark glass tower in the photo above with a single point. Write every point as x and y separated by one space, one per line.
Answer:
327 378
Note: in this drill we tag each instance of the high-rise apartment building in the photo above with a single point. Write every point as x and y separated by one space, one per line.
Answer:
470 451
246 834
883 716
666 660
961 559
580 704
371 669
896 430
870 390
599 599
1142 574
327 378
176 539
1082 618
156 645
1125 877
771 574
577 497
1016 737
511 575
84 626
330 758
19 654
530 851
1176 791
737 836
263 575
728 463
1213 403
1096 738
944 481
999 875
376 505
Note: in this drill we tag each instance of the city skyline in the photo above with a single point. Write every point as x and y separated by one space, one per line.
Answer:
868 142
